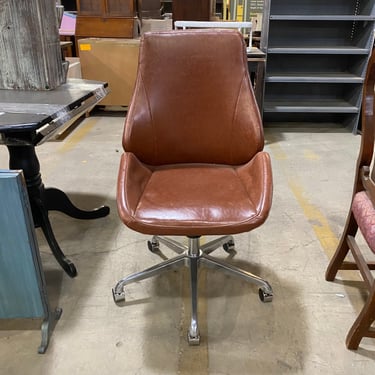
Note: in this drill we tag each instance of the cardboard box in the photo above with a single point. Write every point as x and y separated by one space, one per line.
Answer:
114 61
74 70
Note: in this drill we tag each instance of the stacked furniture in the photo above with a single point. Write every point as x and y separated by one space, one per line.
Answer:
105 33
317 53
106 19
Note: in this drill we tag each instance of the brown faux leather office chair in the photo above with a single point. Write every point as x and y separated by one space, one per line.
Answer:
361 215
193 163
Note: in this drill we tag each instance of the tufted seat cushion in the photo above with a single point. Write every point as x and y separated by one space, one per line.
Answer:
364 213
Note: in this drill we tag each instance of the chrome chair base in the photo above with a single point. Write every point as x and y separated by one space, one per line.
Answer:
191 256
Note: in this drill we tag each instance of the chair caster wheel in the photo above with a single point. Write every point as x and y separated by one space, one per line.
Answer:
229 246
153 246
265 296
193 340
118 297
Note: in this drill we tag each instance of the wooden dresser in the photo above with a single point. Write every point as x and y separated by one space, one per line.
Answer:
106 19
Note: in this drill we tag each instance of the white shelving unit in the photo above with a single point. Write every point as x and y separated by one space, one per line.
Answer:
317 53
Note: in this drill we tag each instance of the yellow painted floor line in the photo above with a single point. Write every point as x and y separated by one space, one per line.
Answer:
311 155
78 134
328 240
277 152
325 235
319 223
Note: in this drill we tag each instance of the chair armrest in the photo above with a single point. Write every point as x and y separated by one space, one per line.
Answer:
257 179
367 182
129 196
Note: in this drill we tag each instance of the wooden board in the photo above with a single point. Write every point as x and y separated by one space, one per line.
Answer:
30 57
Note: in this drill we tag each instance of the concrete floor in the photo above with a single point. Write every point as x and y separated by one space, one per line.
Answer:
301 332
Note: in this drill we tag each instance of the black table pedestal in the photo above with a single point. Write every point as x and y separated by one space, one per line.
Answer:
43 200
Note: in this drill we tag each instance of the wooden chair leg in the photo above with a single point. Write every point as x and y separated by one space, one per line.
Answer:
342 250
362 325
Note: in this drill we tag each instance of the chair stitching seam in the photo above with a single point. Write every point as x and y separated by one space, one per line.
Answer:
263 187
234 117
140 196
152 120
243 185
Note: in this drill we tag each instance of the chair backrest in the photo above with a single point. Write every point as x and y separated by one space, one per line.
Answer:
193 101
365 179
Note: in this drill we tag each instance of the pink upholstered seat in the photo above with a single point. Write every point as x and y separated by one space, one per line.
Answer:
364 213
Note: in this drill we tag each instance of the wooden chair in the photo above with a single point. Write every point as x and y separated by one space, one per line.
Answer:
362 216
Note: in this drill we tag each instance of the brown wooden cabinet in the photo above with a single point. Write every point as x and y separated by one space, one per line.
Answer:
106 19
90 7
106 8
192 10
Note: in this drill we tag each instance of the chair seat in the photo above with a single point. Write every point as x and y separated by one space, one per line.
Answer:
364 213
194 199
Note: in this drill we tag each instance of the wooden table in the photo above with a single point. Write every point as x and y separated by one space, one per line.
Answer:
29 118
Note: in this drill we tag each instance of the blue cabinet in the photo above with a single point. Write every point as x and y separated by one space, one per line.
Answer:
22 285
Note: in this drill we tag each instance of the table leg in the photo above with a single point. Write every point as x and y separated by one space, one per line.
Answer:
43 221
57 200
42 200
